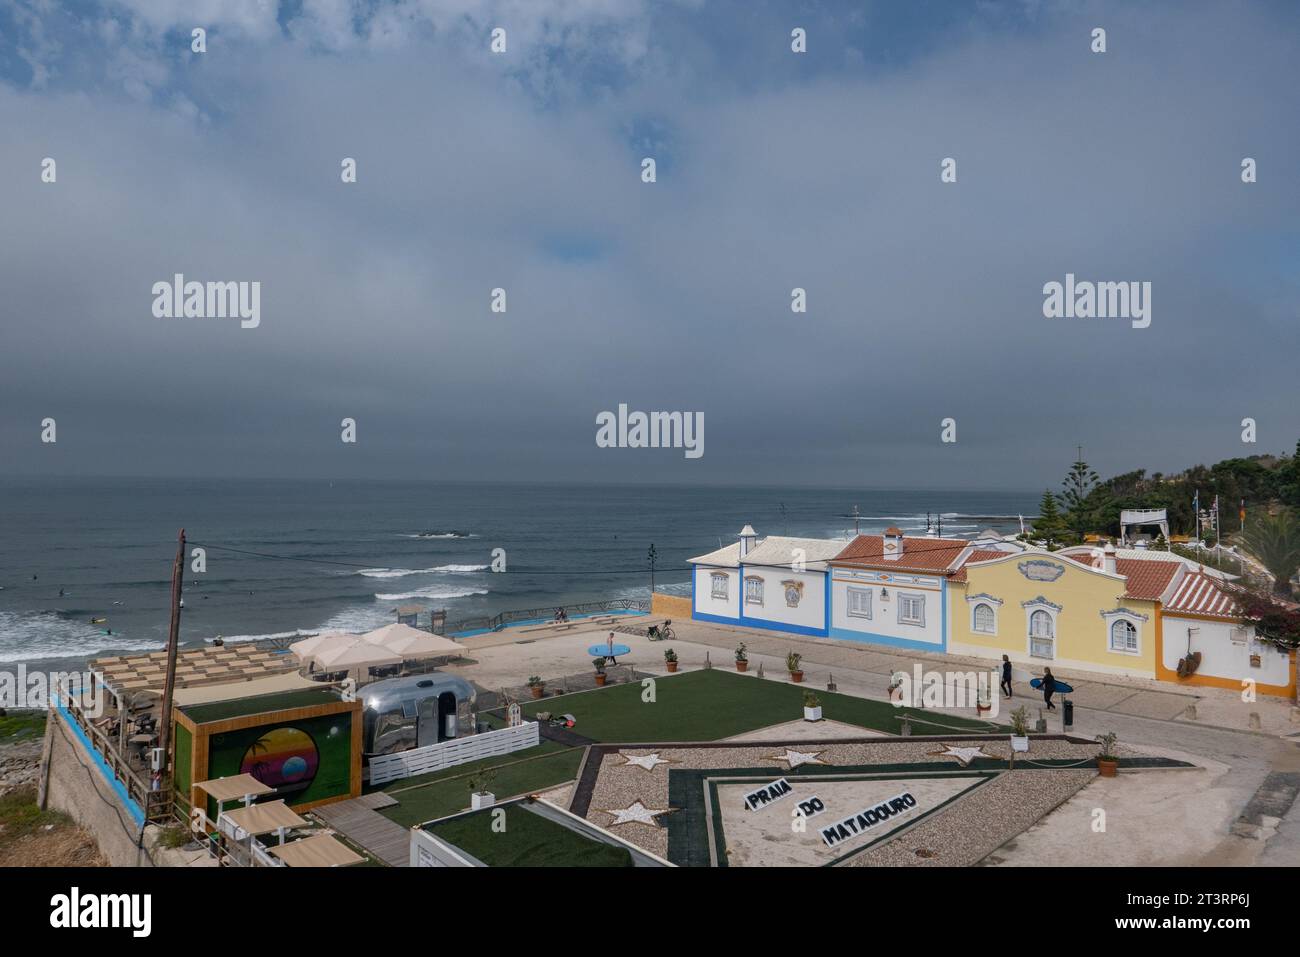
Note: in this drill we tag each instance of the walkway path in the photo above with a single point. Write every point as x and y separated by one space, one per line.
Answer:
361 824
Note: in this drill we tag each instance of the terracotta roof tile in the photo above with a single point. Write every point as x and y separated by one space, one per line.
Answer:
979 555
1146 580
919 554
1202 595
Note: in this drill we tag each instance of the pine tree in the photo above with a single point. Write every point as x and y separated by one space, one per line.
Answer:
1049 526
1079 483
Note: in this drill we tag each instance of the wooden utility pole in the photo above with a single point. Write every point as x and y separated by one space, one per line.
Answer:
173 640
652 556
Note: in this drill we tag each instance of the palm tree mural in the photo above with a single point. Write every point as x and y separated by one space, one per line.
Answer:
1275 541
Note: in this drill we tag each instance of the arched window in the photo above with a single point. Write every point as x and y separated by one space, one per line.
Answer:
985 621
1123 636
1042 634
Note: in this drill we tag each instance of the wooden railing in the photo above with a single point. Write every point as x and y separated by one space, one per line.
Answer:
156 805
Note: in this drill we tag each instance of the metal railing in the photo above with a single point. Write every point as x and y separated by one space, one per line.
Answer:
507 618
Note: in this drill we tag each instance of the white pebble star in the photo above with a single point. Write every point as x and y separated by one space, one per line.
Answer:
638 813
796 758
647 761
964 755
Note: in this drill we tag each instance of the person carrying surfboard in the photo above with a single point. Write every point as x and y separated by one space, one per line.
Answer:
1006 677
1049 688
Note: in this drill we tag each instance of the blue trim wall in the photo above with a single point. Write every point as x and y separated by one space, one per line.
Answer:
768 624
871 638
137 814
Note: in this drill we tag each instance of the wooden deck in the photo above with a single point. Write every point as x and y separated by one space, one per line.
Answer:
362 825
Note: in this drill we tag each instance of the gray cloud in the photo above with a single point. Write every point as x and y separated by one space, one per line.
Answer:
925 299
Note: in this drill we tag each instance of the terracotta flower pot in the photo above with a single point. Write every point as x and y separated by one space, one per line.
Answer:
672 665
742 665
600 681
1107 767
537 690
796 676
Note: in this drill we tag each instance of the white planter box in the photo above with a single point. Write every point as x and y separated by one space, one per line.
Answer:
1019 744
482 800
812 714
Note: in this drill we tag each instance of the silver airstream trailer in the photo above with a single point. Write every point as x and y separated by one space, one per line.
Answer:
405 713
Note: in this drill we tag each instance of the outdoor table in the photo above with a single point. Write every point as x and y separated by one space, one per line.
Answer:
605 650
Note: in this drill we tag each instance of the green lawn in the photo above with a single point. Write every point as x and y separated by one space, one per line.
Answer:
446 792
21 724
714 704
529 840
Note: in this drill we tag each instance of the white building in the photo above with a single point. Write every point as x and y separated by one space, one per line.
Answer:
777 582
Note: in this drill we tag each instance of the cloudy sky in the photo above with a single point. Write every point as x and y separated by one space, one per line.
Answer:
522 170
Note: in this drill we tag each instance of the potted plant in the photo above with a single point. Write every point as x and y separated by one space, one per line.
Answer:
537 686
1107 762
1020 729
479 796
599 662
983 703
670 659
812 706
742 659
792 665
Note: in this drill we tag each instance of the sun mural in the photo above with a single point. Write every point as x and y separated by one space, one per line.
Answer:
284 758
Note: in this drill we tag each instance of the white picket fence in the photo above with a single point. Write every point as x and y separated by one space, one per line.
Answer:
448 754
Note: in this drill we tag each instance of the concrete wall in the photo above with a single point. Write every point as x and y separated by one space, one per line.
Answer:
708 608
78 786
807 616
1225 662
1076 599
884 626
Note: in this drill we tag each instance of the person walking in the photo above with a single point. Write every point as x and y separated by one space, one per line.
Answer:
1049 688
1006 677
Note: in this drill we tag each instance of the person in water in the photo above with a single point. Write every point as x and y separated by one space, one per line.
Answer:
1049 688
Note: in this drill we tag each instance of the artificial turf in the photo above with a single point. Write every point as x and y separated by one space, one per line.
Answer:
528 840
448 791
713 704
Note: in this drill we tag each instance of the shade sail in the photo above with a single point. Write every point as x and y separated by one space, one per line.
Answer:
319 850
306 648
234 788
264 818
353 653
411 642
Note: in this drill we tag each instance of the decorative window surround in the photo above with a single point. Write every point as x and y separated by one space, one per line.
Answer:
984 618
1041 644
1113 618
985 597
1040 570
1040 601
858 602
719 585
909 600
753 590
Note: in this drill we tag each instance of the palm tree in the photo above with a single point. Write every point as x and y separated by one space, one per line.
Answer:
1274 540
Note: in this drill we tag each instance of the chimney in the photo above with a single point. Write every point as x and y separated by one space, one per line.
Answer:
748 539
893 542
1108 558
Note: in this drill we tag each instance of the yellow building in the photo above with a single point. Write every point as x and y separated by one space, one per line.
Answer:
1042 609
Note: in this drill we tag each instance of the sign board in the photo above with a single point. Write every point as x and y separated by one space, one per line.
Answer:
865 820
812 807
768 794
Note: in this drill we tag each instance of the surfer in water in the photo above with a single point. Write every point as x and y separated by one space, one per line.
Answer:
1049 688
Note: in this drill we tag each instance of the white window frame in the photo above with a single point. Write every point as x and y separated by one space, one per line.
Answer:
856 590
904 597
975 617
1049 639
754 596
1131 632
1113 617
725 592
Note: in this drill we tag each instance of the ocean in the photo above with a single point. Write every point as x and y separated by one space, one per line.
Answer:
347 554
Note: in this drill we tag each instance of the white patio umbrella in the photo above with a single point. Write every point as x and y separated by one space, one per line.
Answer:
306 649
411 642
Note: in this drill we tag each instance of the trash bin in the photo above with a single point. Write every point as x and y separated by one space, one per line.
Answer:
1067 714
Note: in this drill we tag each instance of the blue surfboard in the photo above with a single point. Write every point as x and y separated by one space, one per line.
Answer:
1061 686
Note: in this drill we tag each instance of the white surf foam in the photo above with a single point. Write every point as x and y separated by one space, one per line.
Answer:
433 591
403 572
